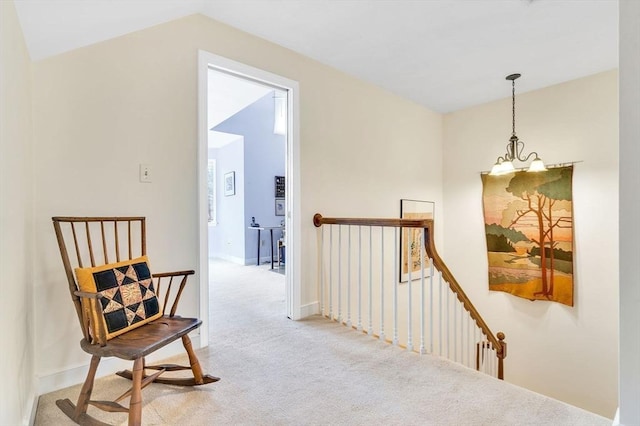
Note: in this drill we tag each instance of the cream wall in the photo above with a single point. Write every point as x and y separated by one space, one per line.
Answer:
101 110
567 353
16 237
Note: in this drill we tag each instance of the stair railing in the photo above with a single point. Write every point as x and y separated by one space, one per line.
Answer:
358 277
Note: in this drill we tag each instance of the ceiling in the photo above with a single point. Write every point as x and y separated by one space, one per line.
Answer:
228 95
444 54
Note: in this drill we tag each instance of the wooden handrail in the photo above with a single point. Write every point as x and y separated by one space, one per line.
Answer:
427 224
319 220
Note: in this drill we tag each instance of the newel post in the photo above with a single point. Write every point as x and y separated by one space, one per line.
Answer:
502 354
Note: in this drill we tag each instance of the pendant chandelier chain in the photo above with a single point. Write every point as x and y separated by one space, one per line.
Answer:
515 147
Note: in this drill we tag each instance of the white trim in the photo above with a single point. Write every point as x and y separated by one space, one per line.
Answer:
266 259
208 60
293 216
30 416
616 419
229 258
74 375
309 309
203 224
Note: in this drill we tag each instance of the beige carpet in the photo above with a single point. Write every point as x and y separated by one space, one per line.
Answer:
315 372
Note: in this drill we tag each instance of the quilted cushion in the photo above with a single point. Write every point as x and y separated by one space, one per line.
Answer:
129 298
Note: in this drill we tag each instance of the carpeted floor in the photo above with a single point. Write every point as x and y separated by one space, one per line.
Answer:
315 372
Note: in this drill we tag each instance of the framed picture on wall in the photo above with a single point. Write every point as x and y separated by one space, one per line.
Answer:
229 184
412 250
280 207
279 182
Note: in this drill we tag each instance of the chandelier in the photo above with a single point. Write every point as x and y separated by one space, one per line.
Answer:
515 147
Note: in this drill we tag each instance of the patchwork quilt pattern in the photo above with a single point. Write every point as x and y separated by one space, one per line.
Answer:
128 295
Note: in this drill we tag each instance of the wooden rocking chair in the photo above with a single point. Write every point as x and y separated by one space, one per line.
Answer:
112 324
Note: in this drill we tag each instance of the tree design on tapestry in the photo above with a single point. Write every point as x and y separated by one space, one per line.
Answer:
529 231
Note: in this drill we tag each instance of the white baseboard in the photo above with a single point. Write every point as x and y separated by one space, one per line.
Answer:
232 259
241 261
252 261
75 375
309 309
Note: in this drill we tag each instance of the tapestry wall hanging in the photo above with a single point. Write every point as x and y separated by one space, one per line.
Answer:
529 228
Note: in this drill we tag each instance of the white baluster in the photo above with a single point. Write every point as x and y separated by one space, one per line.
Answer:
423 349
349 281
485 356
448 318
340 274
409 286
440 311
430 304
469 342
491 359
331 272
370 331
463 336
487 359
455 330
359 278
475 345
322 271
382 284
462 311
494 359
396 255
478 340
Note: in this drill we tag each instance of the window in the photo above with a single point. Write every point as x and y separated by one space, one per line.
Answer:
211 191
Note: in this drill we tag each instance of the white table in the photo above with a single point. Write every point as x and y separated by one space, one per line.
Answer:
265 228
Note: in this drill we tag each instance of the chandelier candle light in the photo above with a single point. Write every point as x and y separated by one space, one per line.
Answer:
515 147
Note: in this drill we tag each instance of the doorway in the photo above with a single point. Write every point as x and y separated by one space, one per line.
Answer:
267 89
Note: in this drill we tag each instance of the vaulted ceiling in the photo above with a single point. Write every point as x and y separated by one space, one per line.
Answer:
444 54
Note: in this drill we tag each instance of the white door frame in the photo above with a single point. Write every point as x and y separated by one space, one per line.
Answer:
206 61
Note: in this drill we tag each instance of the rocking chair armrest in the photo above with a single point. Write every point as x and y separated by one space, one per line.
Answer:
88 295
94 331
182 277
173 274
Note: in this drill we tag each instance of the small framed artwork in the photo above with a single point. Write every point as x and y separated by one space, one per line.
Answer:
229 184
279 182
412 250
280 207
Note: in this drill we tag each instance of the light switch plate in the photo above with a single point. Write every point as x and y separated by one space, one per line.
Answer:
145 173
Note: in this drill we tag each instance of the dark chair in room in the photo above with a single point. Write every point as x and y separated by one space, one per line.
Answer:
122 309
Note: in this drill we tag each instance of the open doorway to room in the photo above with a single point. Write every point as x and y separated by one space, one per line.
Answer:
248 158
246 171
